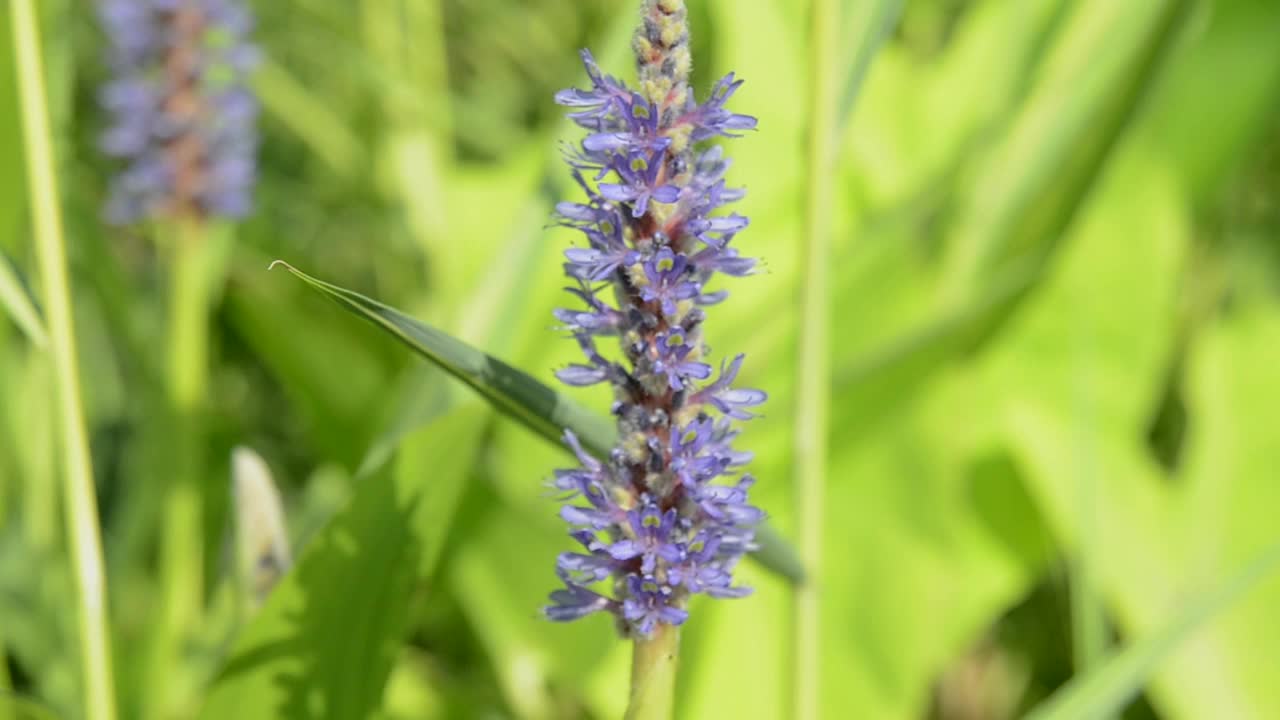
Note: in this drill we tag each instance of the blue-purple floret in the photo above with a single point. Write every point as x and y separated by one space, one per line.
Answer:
666 514
183 119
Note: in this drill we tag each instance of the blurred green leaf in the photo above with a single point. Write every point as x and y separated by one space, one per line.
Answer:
1227 489
517 394
1220 93
1102 64
325 640
1108 688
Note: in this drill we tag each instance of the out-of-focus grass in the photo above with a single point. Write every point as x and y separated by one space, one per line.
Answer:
1054 260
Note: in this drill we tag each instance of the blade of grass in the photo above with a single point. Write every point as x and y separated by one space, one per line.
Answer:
1105 690
16 300
517 394
83 536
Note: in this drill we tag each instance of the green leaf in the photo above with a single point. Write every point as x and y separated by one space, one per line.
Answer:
1110 686
1029 189
324 642
516 393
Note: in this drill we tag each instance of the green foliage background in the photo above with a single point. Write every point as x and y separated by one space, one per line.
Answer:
1056 354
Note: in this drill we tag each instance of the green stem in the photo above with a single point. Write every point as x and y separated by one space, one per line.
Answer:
653 674
186 377
813 381
83 536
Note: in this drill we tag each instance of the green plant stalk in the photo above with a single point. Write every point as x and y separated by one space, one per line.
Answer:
653 674
83 537
186 377
813 382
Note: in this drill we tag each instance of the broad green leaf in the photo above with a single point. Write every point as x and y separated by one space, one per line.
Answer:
1108 688
920 555
1074 382
324 642
1228 490
515 393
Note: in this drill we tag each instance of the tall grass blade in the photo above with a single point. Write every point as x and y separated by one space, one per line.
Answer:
1105 690
516 394
16 299
83 536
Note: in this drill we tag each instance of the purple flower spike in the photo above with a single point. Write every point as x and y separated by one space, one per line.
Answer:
183 120
665 515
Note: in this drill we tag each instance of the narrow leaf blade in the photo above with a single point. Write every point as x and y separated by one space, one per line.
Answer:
1105 690
516 393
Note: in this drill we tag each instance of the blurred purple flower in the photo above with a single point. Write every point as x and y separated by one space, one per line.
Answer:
183 118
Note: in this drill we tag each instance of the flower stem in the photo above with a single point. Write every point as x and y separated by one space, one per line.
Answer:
653 674
83 537
182 552
813 365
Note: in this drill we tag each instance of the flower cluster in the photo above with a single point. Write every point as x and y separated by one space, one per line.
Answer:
665 515
183 119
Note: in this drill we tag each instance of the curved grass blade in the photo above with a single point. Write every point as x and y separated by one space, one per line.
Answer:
517 394
1105 690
